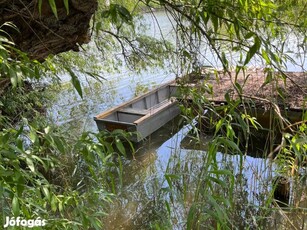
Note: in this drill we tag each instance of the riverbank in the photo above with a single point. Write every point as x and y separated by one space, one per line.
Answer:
288 89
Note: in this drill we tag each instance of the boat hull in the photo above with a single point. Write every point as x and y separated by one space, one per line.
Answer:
142 115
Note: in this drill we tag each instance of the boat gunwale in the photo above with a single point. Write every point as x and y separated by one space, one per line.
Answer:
115 122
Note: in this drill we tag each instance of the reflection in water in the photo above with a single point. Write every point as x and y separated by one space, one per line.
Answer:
141 200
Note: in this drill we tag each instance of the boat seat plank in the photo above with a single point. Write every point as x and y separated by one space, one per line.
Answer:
133 111
140 111
162 106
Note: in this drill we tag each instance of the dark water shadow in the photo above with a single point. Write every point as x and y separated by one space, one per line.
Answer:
261 142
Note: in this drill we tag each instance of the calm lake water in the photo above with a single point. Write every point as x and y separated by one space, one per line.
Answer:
144 176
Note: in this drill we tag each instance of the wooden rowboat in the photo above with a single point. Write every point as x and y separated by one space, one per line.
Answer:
143 114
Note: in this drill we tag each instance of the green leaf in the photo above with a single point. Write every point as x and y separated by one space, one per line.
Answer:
205 17
254 122
9 154
215 22
168 208
5 172
77 85
224 60
95 76
218 181
47 129
219 212
59 144
239 88
13 76
191 216
227 97
66 6
5 138
249 35
30 164
40 6
172 176
15 206
268 78
169 178
228 143
20 185
253 50
38 159
218 126
265 56
120 146
46 192
60 206
105 14
33 136
53 7
19 132
185 53
237 27
124 13
53 203
75 82
98 26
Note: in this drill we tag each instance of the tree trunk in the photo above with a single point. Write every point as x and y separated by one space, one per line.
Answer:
41 33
